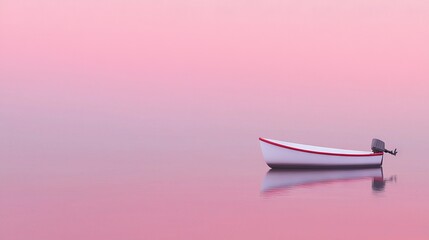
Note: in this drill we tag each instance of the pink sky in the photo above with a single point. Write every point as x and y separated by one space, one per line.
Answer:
268 68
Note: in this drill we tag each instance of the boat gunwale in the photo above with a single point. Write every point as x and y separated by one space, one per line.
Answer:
322 153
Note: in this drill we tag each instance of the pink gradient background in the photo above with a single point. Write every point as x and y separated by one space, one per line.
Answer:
139 119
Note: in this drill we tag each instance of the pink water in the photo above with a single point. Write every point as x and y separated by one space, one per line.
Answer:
140 119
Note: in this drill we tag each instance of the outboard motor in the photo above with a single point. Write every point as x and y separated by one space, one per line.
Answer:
377 146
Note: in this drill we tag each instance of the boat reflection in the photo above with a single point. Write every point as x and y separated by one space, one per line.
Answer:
277 180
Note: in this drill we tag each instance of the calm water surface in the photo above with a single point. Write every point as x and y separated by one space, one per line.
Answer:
140 119
226 192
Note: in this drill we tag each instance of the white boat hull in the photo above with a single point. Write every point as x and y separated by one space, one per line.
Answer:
279 154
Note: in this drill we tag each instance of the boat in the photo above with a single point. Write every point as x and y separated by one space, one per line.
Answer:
279 180
280 154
